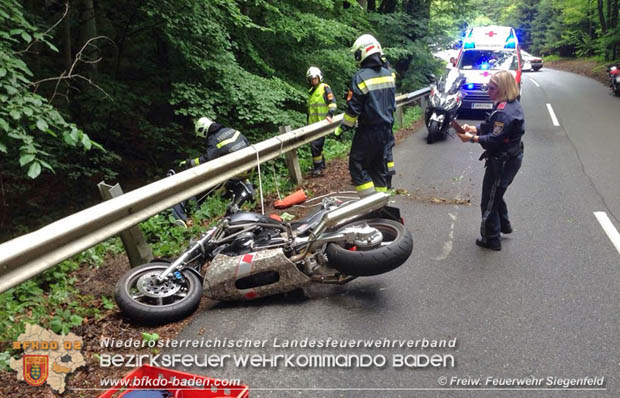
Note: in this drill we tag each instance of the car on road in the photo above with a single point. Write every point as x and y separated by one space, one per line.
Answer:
531 62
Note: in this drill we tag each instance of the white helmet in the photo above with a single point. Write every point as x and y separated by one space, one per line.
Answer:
202 126
364 46
313 72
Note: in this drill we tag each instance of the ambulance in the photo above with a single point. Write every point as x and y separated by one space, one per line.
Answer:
486 50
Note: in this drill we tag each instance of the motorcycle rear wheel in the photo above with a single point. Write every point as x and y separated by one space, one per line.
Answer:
394 250
145 301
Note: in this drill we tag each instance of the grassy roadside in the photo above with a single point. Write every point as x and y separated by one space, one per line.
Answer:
593 67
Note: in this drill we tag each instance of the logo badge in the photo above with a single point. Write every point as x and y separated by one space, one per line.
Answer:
35 369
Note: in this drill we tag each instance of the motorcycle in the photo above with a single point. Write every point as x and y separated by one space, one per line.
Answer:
444 103
614 79
249 255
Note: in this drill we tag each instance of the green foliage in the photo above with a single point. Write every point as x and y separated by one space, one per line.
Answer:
24 115
51 299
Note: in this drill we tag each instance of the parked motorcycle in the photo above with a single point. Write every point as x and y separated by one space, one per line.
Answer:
248 255
444 103
614 79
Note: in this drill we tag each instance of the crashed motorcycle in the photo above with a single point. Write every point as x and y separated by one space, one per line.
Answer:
249 255
614 79
444 103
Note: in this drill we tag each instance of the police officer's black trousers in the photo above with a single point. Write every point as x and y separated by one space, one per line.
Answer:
493 206
316 147
367 157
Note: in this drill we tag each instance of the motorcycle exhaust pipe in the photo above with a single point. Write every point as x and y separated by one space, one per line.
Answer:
360 207
357 208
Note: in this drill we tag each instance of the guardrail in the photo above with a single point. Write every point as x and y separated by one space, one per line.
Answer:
28 255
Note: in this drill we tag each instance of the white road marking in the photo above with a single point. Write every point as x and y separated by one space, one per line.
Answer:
535 82
609 228
447 245
552 114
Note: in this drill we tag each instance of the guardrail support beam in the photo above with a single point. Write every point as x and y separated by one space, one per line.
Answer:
292 162
138 251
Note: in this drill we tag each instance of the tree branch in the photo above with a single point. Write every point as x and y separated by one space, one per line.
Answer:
68 75
47 31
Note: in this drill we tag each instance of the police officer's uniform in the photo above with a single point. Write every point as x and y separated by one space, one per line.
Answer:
501 136
321 104
371 103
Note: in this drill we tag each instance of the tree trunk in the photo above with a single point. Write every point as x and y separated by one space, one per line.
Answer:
364 4
88 31
66 42
601 16
388 6
372 6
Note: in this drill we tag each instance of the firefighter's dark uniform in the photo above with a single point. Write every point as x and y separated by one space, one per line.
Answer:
220 141
371 103
321 103
389 149
500 135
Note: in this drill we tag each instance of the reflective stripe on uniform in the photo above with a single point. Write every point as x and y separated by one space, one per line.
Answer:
365 189
390 166
317 159
349 120
381 189
195 162
229 140
376 83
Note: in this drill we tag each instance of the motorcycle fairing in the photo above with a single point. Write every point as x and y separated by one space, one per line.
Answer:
224 272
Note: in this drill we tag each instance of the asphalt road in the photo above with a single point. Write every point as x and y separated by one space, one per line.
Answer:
542 311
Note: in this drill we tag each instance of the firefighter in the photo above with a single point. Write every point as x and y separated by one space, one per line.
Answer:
500 135
321 105
371 103
220 141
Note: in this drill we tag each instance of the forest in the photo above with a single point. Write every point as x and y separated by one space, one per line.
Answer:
94 90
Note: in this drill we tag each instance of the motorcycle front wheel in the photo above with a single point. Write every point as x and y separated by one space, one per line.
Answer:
433 132
144 300
395 247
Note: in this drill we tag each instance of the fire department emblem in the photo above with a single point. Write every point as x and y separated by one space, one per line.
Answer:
35 369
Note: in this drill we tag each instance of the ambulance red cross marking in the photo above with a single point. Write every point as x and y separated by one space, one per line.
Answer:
491 33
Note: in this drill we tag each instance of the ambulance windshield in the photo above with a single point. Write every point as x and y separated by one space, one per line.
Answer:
489 60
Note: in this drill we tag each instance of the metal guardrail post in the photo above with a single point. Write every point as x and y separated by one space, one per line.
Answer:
399 114
138 251
292 162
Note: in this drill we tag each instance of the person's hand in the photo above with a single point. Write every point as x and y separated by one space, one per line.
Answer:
470 129
338 133
465 137
328 118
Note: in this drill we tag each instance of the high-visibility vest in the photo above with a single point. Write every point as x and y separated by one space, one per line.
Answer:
317 108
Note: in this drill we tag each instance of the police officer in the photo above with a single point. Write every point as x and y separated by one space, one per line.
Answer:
220 141
371 103
500 135
321 105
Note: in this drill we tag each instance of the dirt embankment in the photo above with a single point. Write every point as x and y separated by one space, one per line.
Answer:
589 68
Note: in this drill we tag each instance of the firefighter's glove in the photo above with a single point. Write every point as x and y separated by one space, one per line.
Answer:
185 164
339 133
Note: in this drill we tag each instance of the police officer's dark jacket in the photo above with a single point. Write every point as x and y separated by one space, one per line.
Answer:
372 95
221 141
503 129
